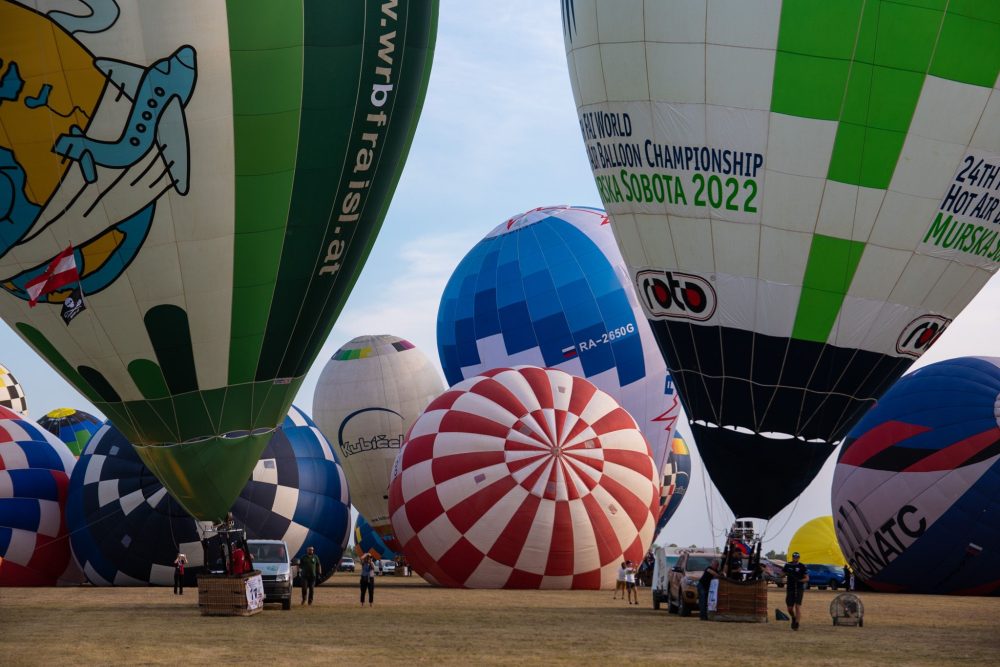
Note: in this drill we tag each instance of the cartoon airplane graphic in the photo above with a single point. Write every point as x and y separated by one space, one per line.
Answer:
158 94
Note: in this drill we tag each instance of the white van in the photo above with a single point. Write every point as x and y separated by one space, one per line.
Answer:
665 558
272 559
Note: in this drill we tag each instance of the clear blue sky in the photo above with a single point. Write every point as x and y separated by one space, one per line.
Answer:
498 136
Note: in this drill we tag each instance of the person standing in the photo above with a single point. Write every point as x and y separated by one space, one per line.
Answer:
633 594
711 572
179 564
367 579
310 569
796 578
848 577
620 584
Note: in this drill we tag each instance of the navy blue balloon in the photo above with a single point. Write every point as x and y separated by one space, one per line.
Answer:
126 529
916 491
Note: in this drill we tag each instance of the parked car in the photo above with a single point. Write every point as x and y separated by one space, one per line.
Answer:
346 564
823 576
682 586
773 572
387 566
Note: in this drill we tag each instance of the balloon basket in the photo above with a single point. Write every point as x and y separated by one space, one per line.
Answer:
230 594
741 602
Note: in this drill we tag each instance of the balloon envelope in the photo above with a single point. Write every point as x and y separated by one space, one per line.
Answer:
803 193
816 542
675 475
549 288
11 393
914 493
367 541
73 427
524 478
34 475
369 394
126 529
189 192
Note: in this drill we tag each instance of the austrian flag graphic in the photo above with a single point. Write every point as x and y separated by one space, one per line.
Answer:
60 273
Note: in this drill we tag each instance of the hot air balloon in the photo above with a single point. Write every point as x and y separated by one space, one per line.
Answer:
369 394
126 529
34 474
367 541
11 394
73 427
804 195
816 542
524 478
675 475
549 288
188 198
914 495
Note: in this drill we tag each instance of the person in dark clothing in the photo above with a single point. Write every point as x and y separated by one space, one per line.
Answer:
179 564
367 579
711 572
310 569
796 577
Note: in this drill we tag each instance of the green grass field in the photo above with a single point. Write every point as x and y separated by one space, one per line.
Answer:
412 622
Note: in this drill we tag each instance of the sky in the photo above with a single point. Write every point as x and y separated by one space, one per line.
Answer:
499 136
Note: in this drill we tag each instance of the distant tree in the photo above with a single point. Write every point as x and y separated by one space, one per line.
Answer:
672 545
774 555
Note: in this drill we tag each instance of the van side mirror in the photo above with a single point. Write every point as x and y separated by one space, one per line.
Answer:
676 569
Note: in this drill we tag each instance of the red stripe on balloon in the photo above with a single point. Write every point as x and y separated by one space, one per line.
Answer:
509 544
522 579
468 511
499 394
456 421
608 547
532 479
461 560
635 461
444 401
616 420
879 439
423 508
636 510
954 455
538 380
561 550
418 449
444 468
587 580
520 463
580 396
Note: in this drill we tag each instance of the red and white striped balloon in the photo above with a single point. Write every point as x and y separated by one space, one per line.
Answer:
524 478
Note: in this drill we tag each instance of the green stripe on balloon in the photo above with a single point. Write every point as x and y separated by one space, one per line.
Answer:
863 64
266 52
829 271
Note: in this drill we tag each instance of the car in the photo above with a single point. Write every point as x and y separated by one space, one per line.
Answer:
682 583
387 566
271 558
823 576
773 572
663 560
346 564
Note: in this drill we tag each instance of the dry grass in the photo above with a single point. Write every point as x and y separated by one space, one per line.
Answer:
414 623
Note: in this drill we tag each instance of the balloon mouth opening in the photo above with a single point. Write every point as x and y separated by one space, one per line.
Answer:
776 435
231 435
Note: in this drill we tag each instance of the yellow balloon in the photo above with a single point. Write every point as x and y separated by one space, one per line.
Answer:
816 542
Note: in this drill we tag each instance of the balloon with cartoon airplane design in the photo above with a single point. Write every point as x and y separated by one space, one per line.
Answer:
202 181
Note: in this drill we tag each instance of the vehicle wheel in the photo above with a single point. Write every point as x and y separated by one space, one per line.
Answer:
822 588
286 604
861 622
833 585
781 584
671 607
656 600
682 608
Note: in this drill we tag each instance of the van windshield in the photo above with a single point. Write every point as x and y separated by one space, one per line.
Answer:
268 553
697 563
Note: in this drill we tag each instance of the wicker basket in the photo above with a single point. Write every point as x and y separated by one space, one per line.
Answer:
741 602
226 595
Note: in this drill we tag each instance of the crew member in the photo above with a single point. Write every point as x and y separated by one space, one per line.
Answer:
797 576
310 569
